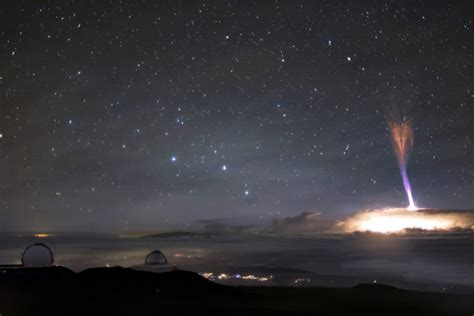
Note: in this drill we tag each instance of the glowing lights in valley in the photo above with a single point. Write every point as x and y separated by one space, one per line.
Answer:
299 281
402 140
224 276
248 277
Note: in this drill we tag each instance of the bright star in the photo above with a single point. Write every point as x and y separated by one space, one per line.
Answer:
224 167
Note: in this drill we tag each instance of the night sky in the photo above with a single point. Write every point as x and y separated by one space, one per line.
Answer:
139 115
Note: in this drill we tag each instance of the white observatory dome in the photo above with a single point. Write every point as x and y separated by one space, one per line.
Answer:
155 262
37 255
155 257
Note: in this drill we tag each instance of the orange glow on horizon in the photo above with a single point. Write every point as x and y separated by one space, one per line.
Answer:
42 235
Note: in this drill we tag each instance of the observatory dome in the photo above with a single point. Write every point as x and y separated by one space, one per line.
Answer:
155 257
155 262
37 255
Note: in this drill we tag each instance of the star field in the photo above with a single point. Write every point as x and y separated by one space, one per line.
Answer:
119 115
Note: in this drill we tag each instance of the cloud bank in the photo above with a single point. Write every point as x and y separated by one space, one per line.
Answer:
302 224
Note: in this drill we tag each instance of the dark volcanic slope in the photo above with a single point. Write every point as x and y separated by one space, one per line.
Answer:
120 291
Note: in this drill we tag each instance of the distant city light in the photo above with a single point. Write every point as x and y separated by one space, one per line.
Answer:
42 235
224 276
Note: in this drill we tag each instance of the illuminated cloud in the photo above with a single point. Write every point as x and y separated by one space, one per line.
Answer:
401 220
304 223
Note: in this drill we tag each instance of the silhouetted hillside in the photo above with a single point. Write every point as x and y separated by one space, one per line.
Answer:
122 291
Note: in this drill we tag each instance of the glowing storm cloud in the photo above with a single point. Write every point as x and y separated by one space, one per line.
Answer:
402 141
399 220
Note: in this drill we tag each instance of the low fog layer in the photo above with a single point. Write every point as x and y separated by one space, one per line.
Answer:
428 261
